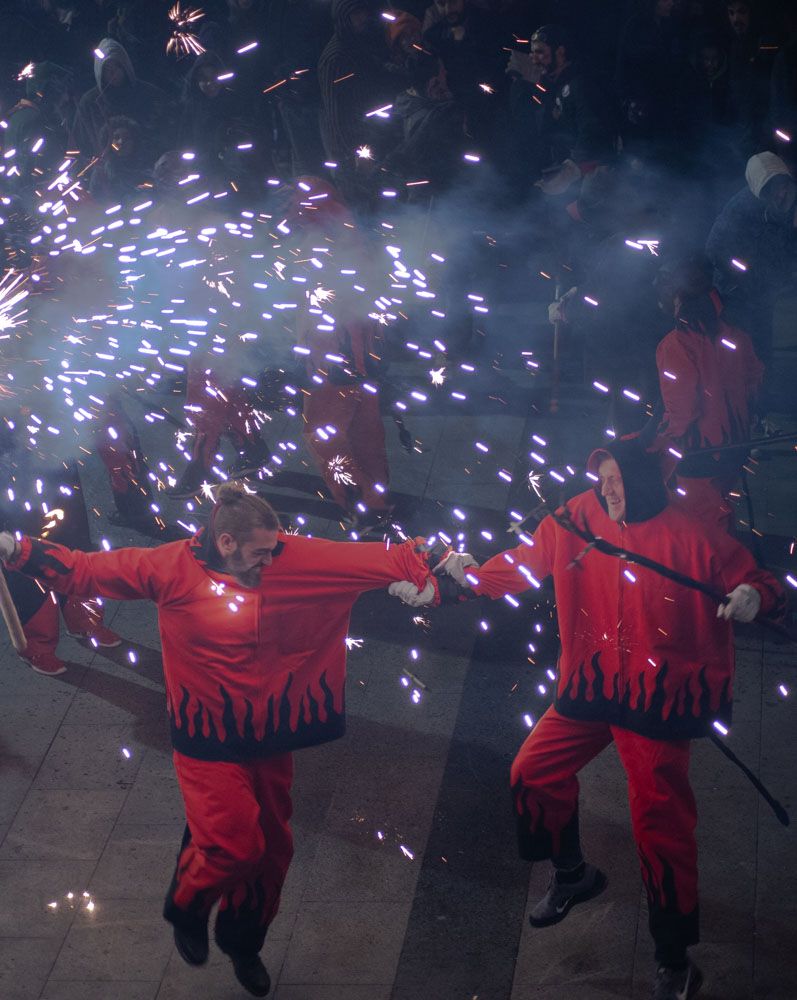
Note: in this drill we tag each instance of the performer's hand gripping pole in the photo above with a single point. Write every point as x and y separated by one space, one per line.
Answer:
10 617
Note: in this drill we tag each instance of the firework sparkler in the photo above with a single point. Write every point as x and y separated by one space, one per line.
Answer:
183 41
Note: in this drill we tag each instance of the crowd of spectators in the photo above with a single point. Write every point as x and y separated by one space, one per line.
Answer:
590 123
545 92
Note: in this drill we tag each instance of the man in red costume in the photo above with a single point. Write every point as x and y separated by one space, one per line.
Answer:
709 376
645 663
252 623
343 428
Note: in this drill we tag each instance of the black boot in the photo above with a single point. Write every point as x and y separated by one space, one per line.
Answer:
192 947
251 974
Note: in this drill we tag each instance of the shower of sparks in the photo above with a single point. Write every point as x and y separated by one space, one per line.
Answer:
26 72
183 41
338 466
11 294
320 295
534 480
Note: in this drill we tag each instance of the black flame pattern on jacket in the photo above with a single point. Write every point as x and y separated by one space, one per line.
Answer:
198 735
689 718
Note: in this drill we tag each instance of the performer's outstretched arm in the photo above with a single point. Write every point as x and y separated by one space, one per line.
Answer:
121 574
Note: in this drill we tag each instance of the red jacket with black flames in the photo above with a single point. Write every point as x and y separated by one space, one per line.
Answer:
637 649
249 672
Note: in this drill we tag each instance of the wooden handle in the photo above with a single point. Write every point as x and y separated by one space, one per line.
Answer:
10 617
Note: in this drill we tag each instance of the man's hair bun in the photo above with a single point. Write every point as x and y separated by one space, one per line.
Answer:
240 511
231 491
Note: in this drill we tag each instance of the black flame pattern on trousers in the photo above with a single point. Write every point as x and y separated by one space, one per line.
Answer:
536 842
672 929
278 736
689 717
240 929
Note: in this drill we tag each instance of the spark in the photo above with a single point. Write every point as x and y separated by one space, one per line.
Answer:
352 643
26 72
320 295
11 294
183 41
534 480
437 375
364 152
487 88
338 466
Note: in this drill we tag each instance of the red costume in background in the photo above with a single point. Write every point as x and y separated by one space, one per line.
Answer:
345 353
708 386
251 674
645 663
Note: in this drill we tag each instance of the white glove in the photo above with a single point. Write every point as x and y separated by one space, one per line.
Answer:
454 565
744 604
560 180
557 311
409 593
8 546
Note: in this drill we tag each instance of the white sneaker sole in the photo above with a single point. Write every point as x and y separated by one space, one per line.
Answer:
102 645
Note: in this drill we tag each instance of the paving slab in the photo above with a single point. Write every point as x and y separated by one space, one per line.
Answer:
120 941
25 964
335 943
69 824
82 990
42 905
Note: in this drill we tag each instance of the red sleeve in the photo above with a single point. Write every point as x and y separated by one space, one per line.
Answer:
121 574
516 570
734 564
357 566
679 393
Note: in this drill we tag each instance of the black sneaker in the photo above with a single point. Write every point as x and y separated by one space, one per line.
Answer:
192 947
251 974
677 984
562 896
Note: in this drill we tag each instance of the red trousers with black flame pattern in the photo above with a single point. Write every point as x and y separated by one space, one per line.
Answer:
663 814
236 849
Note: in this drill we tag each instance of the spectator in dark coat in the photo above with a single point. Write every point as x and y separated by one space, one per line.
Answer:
750 61
468 41
297 31
572 125
118 92
124 163
208 109
433 126
753 247
654 79
45 112
354 79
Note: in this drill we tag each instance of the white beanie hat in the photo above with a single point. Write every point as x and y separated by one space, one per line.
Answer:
760 170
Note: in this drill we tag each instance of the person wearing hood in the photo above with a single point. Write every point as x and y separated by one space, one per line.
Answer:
45 112
646 664
207 110
753 247
709 377
354 79
118 91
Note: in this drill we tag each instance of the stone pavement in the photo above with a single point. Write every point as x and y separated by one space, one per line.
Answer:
405 885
